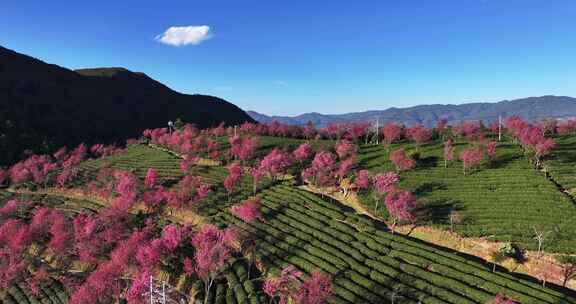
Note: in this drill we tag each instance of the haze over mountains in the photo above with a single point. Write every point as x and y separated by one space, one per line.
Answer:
43 106
532 108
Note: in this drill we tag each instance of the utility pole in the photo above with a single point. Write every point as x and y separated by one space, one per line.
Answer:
163 292
157 296
151 290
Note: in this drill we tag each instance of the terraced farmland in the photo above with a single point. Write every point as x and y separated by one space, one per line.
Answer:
371 265
138 158
54 293
562 163
368 263
504 201
67 205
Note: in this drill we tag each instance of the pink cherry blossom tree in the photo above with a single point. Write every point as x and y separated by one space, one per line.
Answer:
362 180
543 148
384 183
282 287
491 150
391 133
315 290
401 161
287 288
400 205
344 149
213 248
472 131
302 153
248 211
309 130
471 158
419 134
188 191
150 179
235 173
321 172
275 163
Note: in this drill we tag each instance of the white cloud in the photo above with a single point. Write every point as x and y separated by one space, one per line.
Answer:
281 83
183 35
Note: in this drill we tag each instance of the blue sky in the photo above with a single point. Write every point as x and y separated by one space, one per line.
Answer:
290 57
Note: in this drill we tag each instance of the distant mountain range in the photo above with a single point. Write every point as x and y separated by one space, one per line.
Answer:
532 108
43 106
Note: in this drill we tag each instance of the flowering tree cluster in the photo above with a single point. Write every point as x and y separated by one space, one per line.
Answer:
275 163
344 149
86 238
287 287
192 143
392 133
248 211
566 127
213 248
401 161
532 138
471 158
362 180
472 131
243 148
235 173
302 153
350 131
179 140
419 134
188 191
491 149
400 205
321 172
50 244
58 169
383 184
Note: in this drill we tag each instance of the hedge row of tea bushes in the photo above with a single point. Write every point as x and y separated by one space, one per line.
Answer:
137 158
219 199
503 199
562 162
69 206
235 286
53 293
371 265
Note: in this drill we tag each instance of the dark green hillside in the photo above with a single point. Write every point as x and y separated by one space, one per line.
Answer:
43 106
